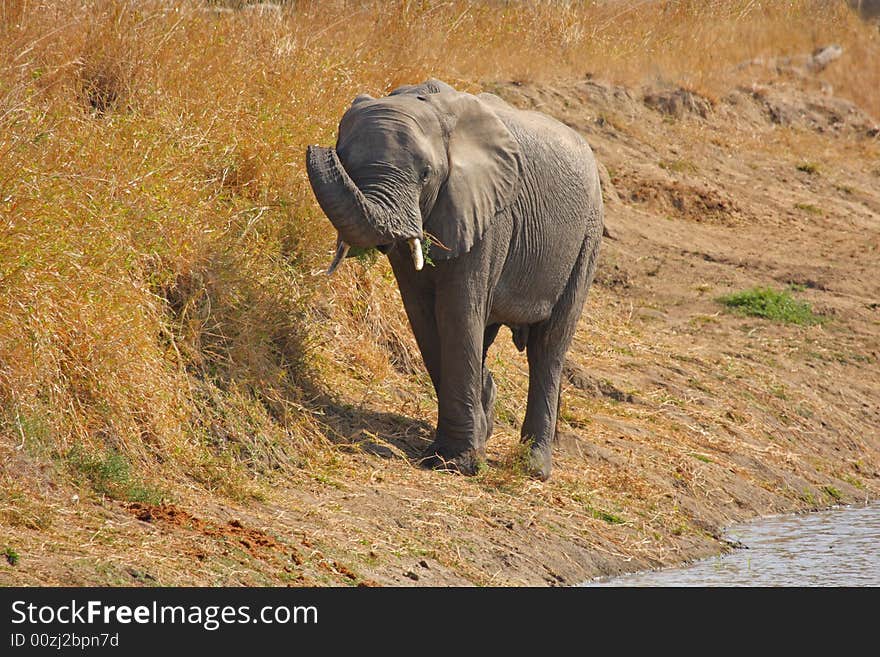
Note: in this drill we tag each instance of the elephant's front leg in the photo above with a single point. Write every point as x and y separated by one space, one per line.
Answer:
462 425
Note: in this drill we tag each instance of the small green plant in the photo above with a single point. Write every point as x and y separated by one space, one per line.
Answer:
808 207
11 556
808 497
598 514
605 516
322 478
367 256
771 304
853 481
680 529
833 493
808 167
110 475
701 457
427 251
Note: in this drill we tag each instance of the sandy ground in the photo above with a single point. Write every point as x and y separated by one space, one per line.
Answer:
679 417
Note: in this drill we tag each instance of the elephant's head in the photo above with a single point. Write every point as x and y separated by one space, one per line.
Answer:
423 160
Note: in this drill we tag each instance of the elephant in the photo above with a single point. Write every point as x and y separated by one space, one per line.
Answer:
867 9
508 204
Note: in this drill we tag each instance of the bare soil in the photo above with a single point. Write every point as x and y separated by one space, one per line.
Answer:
678 417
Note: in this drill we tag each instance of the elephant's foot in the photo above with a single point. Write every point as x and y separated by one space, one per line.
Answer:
439 457
539 461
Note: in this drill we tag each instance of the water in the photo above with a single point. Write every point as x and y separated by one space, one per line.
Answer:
839 547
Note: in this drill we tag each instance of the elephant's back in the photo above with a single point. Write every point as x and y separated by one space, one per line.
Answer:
547 140
554 156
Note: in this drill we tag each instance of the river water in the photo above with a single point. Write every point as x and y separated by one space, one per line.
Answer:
838 547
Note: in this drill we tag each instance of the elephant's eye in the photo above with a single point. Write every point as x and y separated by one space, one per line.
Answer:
426 172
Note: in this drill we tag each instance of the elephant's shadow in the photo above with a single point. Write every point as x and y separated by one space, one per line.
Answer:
387 435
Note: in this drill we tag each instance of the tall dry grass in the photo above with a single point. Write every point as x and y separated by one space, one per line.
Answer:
160 293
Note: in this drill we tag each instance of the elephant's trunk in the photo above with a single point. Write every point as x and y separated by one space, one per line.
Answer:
359 221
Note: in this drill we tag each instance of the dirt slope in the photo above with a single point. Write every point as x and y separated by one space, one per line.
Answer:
678 416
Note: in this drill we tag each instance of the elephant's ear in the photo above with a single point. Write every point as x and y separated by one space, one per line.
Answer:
484 173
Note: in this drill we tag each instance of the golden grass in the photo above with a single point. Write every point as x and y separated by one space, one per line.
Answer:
160 250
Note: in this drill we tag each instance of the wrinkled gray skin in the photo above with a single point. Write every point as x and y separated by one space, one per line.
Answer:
514 198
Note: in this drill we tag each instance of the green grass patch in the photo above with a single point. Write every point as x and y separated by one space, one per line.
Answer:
808 497
12 557
776 305
809 207
701 457
833 493
605 516
853 481
322 478
110 474
598 514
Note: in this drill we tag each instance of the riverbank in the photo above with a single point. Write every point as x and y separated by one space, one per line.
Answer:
247 421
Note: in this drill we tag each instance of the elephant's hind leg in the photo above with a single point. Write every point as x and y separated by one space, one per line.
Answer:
489 388
547 345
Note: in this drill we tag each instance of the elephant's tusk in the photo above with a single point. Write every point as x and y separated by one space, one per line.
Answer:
341 252
415 245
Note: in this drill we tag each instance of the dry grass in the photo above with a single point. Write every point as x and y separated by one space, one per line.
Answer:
160 250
